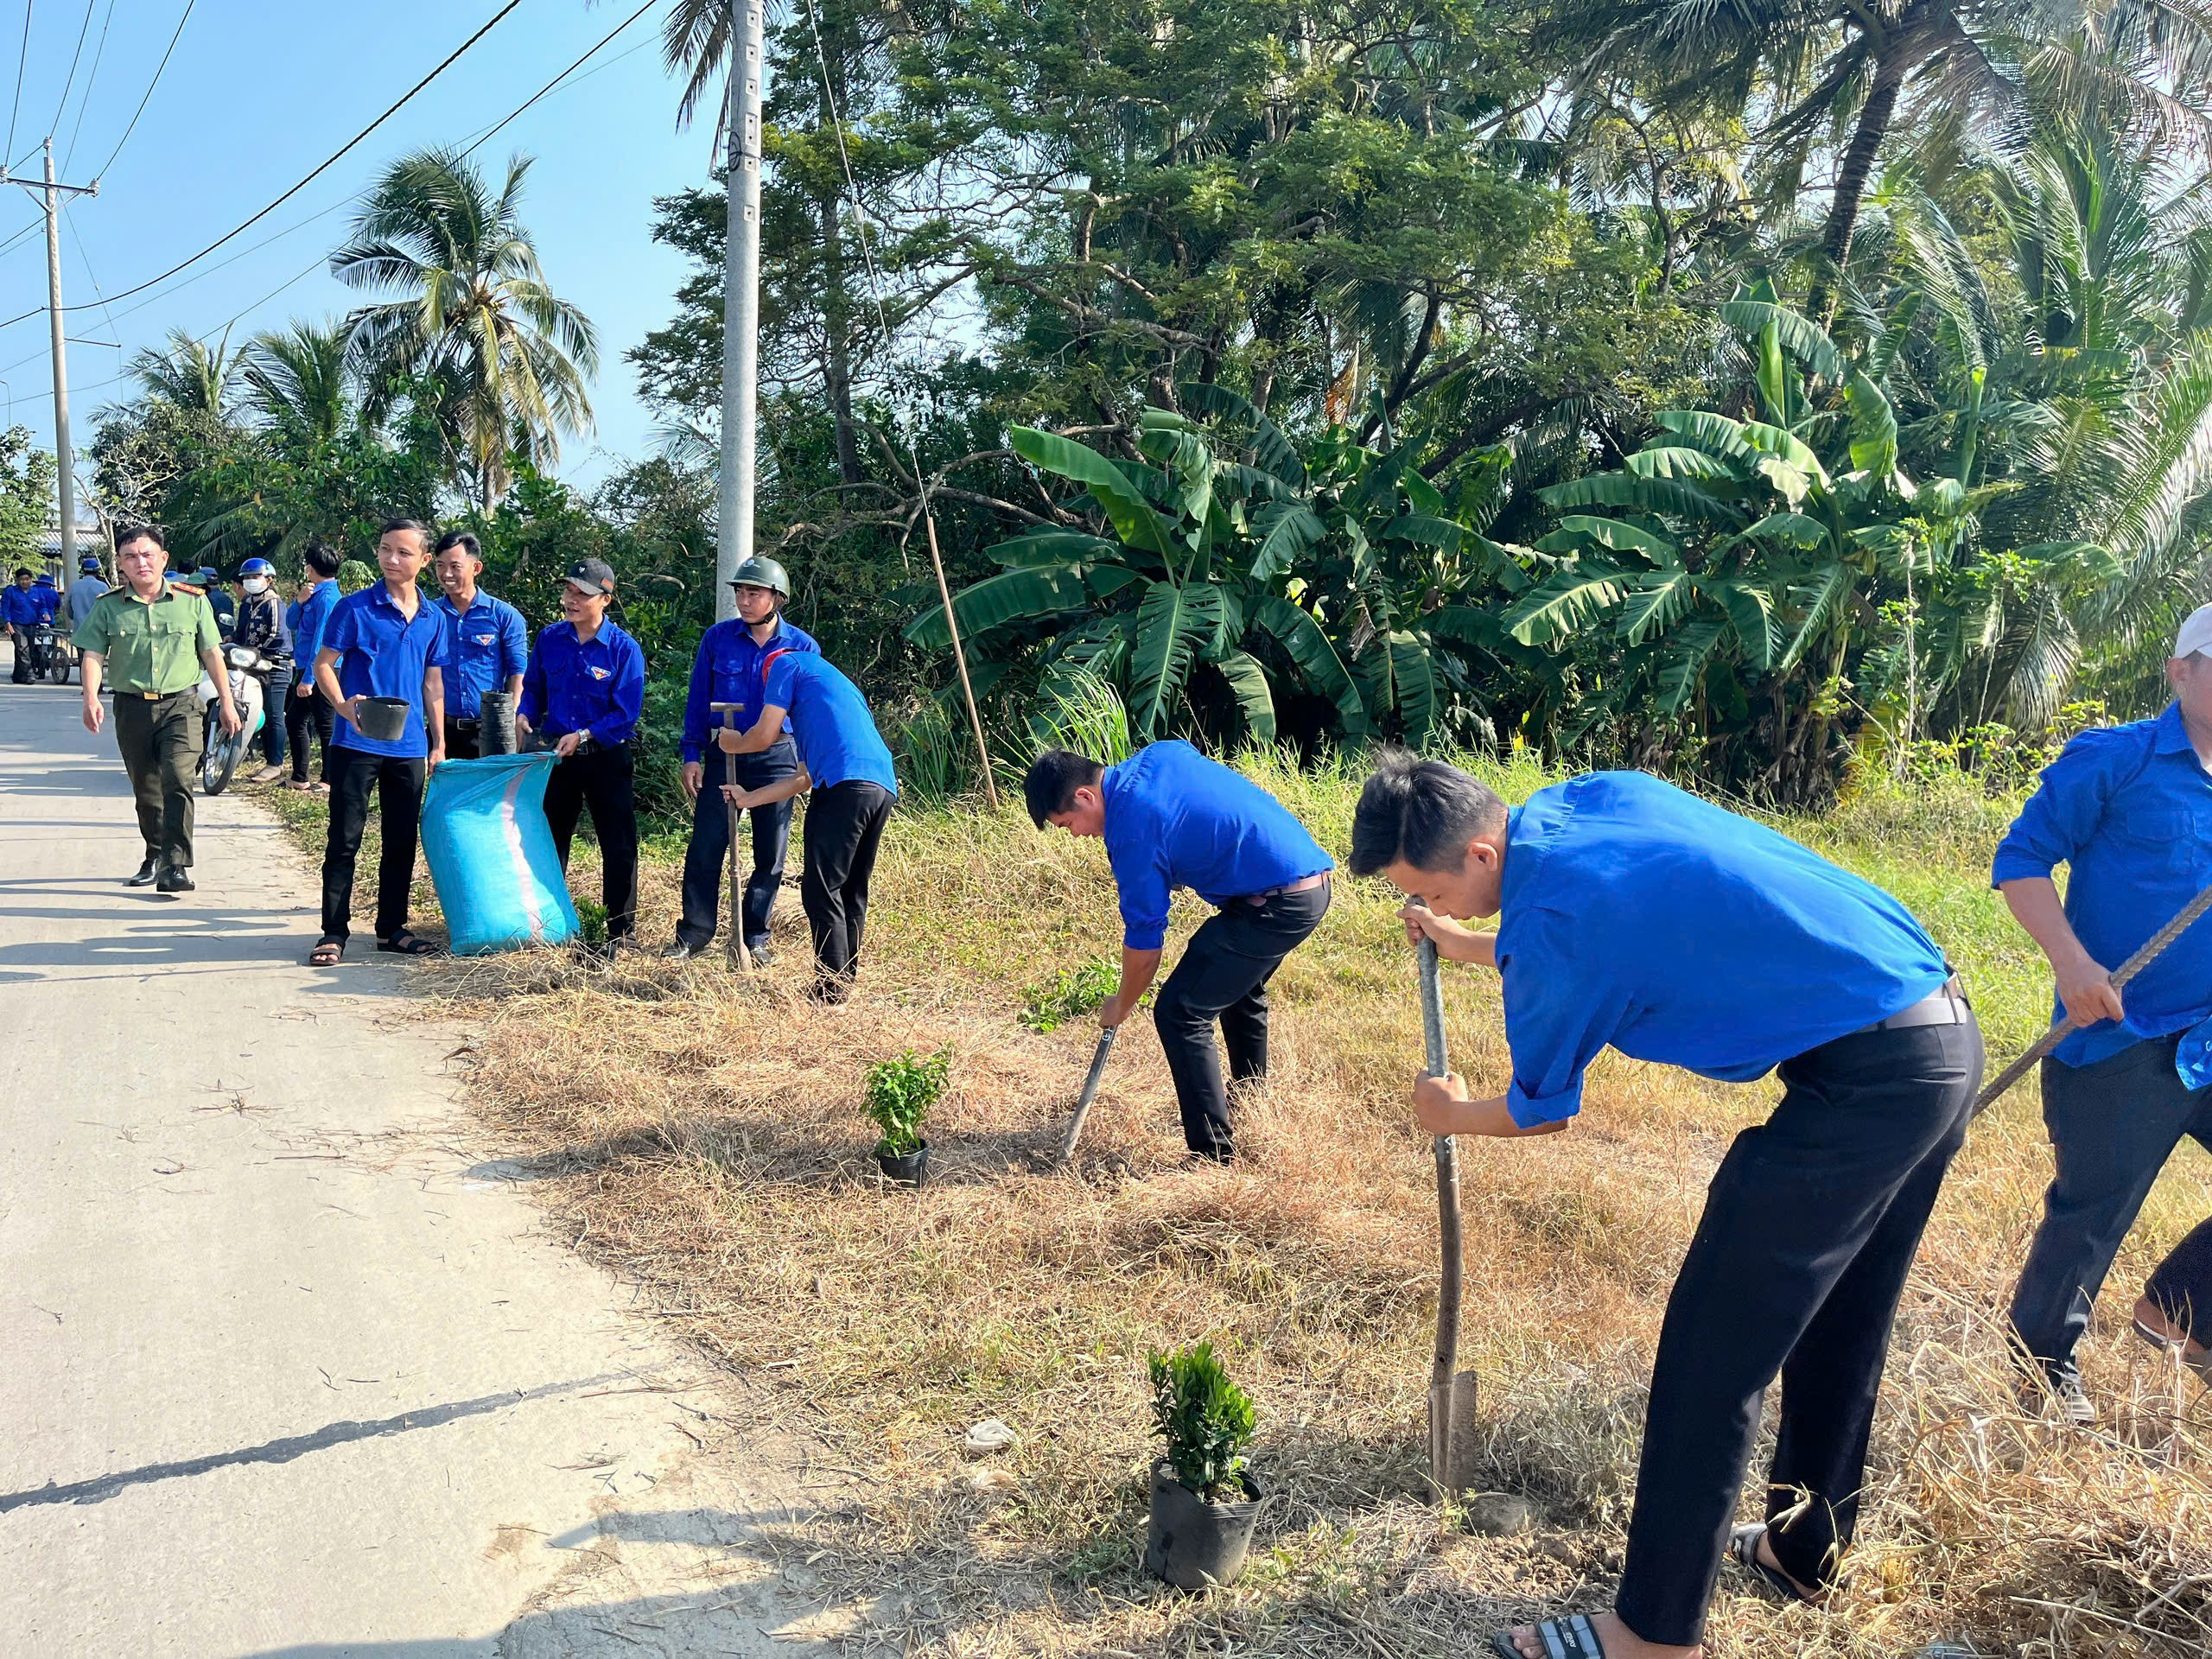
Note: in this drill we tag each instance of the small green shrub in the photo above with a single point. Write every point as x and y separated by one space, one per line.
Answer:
1205 1419
591 922
932 760
1069 994
900 1093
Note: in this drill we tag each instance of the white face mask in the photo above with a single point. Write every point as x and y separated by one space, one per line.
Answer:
255 584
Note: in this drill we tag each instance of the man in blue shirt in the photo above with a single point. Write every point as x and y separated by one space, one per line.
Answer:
844 762
488 638
306 710
1633 916
2128 808
1172 818
19 612
584 692
46 597
729 670
85 592
384 642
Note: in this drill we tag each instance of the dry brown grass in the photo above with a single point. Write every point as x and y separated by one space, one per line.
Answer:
706 1138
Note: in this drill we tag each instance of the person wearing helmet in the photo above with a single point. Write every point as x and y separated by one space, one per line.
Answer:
260 624
209 581
729 669
84 591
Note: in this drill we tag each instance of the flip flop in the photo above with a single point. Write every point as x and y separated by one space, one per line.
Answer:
1744 1547
1571 1637
336 948
407 944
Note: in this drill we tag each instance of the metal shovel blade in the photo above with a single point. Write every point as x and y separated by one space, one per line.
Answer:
1089 1091
1453 1466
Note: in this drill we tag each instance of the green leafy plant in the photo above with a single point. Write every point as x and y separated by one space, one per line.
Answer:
591 923
1205 1419
1069 994
901 1092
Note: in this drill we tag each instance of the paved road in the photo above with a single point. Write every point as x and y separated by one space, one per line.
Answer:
285 1367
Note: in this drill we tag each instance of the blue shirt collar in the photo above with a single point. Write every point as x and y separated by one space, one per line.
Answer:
2172 732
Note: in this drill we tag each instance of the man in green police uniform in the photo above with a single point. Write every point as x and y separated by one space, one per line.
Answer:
150 641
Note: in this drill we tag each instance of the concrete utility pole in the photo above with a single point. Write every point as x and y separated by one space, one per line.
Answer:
741 313
65 481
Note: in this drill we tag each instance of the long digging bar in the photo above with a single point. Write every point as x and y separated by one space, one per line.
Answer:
734 952
2153 948
1444 1373
1089 1091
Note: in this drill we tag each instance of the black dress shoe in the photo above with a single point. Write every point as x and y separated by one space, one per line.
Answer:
174 879
147 872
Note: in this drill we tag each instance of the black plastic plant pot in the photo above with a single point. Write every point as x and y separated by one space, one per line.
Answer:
1195 1544
383 720
908 1169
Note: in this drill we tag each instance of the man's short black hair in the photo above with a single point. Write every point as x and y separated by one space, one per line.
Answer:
390 525
1054 779
23 575
323 561
130 533
459 539
1422 812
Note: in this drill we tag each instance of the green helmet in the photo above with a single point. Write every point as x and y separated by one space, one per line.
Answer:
757 572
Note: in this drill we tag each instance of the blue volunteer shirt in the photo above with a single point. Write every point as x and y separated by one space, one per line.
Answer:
728 669
1176 819
308 619
17 607
1637 917
47 598
2128 810
830 721
382 653
596 687
487 644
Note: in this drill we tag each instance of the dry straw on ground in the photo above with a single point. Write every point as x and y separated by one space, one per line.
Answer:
706 1136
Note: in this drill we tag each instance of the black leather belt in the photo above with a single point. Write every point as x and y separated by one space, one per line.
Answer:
1304 884
1946 1005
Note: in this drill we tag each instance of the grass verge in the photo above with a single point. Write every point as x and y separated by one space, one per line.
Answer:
705 1135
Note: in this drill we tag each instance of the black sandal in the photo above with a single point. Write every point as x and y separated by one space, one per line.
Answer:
335 947
407 945
1744 1547
1571 1637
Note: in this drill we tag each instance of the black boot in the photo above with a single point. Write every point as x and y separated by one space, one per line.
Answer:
147 872
174 879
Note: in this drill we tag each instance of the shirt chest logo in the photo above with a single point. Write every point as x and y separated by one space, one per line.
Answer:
484 638
599 673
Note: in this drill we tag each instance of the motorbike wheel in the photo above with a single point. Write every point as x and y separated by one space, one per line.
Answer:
220 758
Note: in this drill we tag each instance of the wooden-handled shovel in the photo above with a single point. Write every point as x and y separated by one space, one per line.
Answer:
1089 1091
733 951
1450 1393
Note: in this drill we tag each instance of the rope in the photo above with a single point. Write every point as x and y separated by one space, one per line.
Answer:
2153 948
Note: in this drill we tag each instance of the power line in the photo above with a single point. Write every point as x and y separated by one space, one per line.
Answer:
148 98
100 52
75 58
21 62
604 39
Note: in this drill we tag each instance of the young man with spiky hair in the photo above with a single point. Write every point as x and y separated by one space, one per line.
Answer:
1172 818
1635 916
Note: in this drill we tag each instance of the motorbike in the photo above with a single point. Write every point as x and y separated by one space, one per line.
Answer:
51 654
250 671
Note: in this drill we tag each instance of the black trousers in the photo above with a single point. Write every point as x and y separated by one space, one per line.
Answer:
1810 1228
2181 1284
26 666
844 830
602 780
302 716
161 743
398 784
461 739
2113 1126
709 845
1224 976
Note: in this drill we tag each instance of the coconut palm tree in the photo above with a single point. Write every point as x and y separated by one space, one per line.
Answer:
300 380
474 313
190 374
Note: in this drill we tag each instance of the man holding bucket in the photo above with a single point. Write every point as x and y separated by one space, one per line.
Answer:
380 665
730 670
486 640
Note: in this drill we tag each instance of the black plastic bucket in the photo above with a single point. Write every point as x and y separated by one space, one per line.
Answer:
383 720
1194 1545
911 1170
495 730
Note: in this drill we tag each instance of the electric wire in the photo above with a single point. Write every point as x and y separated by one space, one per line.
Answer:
75 58
148 98
100 52
21 61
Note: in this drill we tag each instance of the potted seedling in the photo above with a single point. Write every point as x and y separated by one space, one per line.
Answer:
1204 1503
900 1093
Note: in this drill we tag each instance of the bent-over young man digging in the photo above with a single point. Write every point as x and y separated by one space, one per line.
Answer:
1633 916
1172 818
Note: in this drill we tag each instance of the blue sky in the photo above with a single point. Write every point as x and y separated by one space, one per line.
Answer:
260 92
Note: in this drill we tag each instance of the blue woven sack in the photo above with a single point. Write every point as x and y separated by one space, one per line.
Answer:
491 857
